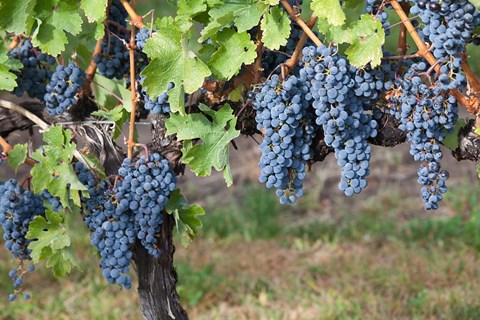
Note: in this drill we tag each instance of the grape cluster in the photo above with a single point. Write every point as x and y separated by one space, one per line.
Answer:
448 24
16 275
340 111
18 207
145 188
158 105
132 209
287 128
427 114
118 14
141 37
114 61
35 74
63 87
113 230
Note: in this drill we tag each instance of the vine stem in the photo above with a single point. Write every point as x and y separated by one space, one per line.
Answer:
131 48
471 77
402 37
258 60
135 19
39 122
472 105
301 23
92 67
15 41
7 148
292 62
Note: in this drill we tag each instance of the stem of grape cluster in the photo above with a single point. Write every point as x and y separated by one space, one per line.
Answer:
92 67
301 23
135 19
131 48
258 60
292 62
14 43
471 104
7 148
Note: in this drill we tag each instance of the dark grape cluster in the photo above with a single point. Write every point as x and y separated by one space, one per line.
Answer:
158 105
63 87
287 129
145 188
113 230
448 24
341 112
117 14
114 60
142 36
132 209
18 207
35 74
427 114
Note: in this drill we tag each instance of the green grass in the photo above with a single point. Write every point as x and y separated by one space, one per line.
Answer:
258 260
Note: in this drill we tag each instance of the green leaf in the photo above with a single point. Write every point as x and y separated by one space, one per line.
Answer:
94 163
7 78
54 19
368 37
17 16
215 135
95 10
190 8
17 156
235 49
54 170
478 170
244 14
329 10
476 3
451 140
50 242
186 217
172 61
276 28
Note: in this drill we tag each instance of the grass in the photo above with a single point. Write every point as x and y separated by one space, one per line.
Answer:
258 260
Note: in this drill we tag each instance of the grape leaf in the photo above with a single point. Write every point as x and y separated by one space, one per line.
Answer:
54 170
190 8
172 61
276 28
244 14
186 217
7 78
235 49
51 242
17 156
367 39
95 10
329 10
215 135
17 16
54 19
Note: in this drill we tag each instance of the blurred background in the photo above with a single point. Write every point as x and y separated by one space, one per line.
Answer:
377 255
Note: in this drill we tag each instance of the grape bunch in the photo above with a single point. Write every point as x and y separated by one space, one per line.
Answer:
114 60
142 36
287 129
35 74
63 87
427 114
18 207
145 188
118 14
158 105
112 228
448 25
340 111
